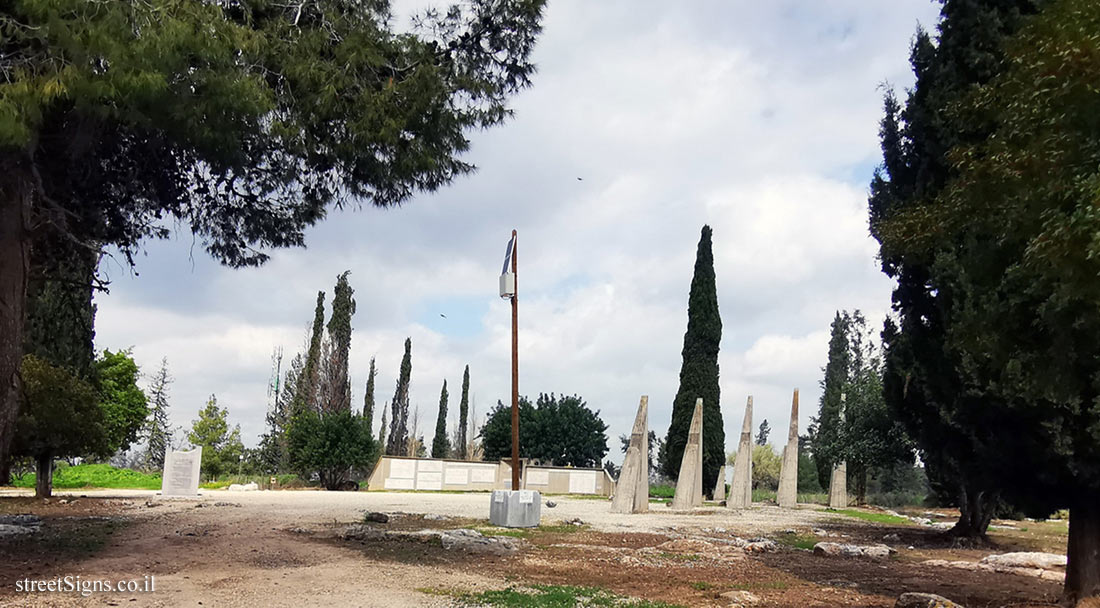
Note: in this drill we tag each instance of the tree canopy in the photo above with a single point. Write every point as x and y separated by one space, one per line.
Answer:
221 446
559 431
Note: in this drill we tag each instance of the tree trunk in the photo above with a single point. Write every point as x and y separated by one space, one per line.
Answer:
5 471
43 482
1083 555
15 255
975 513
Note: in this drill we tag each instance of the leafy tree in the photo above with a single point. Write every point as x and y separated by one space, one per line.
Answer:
441 446
463 417
1016 256
272 455
221 447
766 465
399 408
330 444
368 399
924 383
61 418
123 403
763 432
561 431
157 431
828 441
496 433
699 372
807 468
244 121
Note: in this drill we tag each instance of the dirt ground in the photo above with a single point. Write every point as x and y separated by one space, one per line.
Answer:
284 549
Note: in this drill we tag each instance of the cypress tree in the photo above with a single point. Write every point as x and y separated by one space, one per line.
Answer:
923 382
305 397
699 372
440 445
382 429
368 399
826 441
398 442
339 333
463 416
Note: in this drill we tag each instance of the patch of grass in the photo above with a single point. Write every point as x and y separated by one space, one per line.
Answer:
682 557
702 586
871 516
284 481
797 541
552 596
763 495
662 491
527 533
94 476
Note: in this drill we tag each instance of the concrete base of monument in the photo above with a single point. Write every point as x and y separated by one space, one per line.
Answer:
515 508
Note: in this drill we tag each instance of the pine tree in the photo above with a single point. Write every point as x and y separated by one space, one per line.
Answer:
306 393
398 442
441 446
157 434
463 417
368 400
699 372
827 443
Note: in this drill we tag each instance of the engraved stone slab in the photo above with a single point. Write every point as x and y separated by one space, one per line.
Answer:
181 473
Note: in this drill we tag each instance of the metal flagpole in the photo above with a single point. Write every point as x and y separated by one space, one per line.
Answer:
515 368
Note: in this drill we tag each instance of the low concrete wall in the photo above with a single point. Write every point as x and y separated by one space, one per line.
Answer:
401 473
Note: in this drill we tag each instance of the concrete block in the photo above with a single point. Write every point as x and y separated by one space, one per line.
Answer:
689 485
787 496
741 487
515 508
632 490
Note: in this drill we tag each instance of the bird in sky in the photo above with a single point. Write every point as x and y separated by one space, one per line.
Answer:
443 315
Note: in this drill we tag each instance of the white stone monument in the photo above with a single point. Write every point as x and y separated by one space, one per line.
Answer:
787 495
838 483
181 473
741 489
632 491
689 485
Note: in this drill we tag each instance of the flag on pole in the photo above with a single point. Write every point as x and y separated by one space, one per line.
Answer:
508 255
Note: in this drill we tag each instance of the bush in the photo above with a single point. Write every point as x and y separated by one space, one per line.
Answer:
330 446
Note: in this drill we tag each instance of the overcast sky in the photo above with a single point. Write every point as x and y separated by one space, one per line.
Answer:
646 120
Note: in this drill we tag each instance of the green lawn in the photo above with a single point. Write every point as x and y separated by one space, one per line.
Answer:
547 596
94 476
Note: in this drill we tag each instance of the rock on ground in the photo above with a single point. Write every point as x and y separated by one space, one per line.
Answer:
924 600
1023 559
243 487
462 539
846 550
740 598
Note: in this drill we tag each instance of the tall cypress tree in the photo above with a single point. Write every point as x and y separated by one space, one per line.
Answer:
368 399
923 381
339 334
699 372
441 446
398 442
305 396
825 442
463 416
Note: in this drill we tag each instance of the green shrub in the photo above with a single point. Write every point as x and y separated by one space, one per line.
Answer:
330 445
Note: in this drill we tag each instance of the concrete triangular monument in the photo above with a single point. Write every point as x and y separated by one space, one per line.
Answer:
632 491
720 485
787 496
741 488
838 483
689 486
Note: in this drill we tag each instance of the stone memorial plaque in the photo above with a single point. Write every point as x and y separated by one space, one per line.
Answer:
483 475
429 466
429 481
403 469
398 484
181 473
582 483
456 476
538 478
526 497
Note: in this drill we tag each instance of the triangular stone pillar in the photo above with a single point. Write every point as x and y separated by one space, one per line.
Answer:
689 486
720 485
787 496
741 488
632 491
838 483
